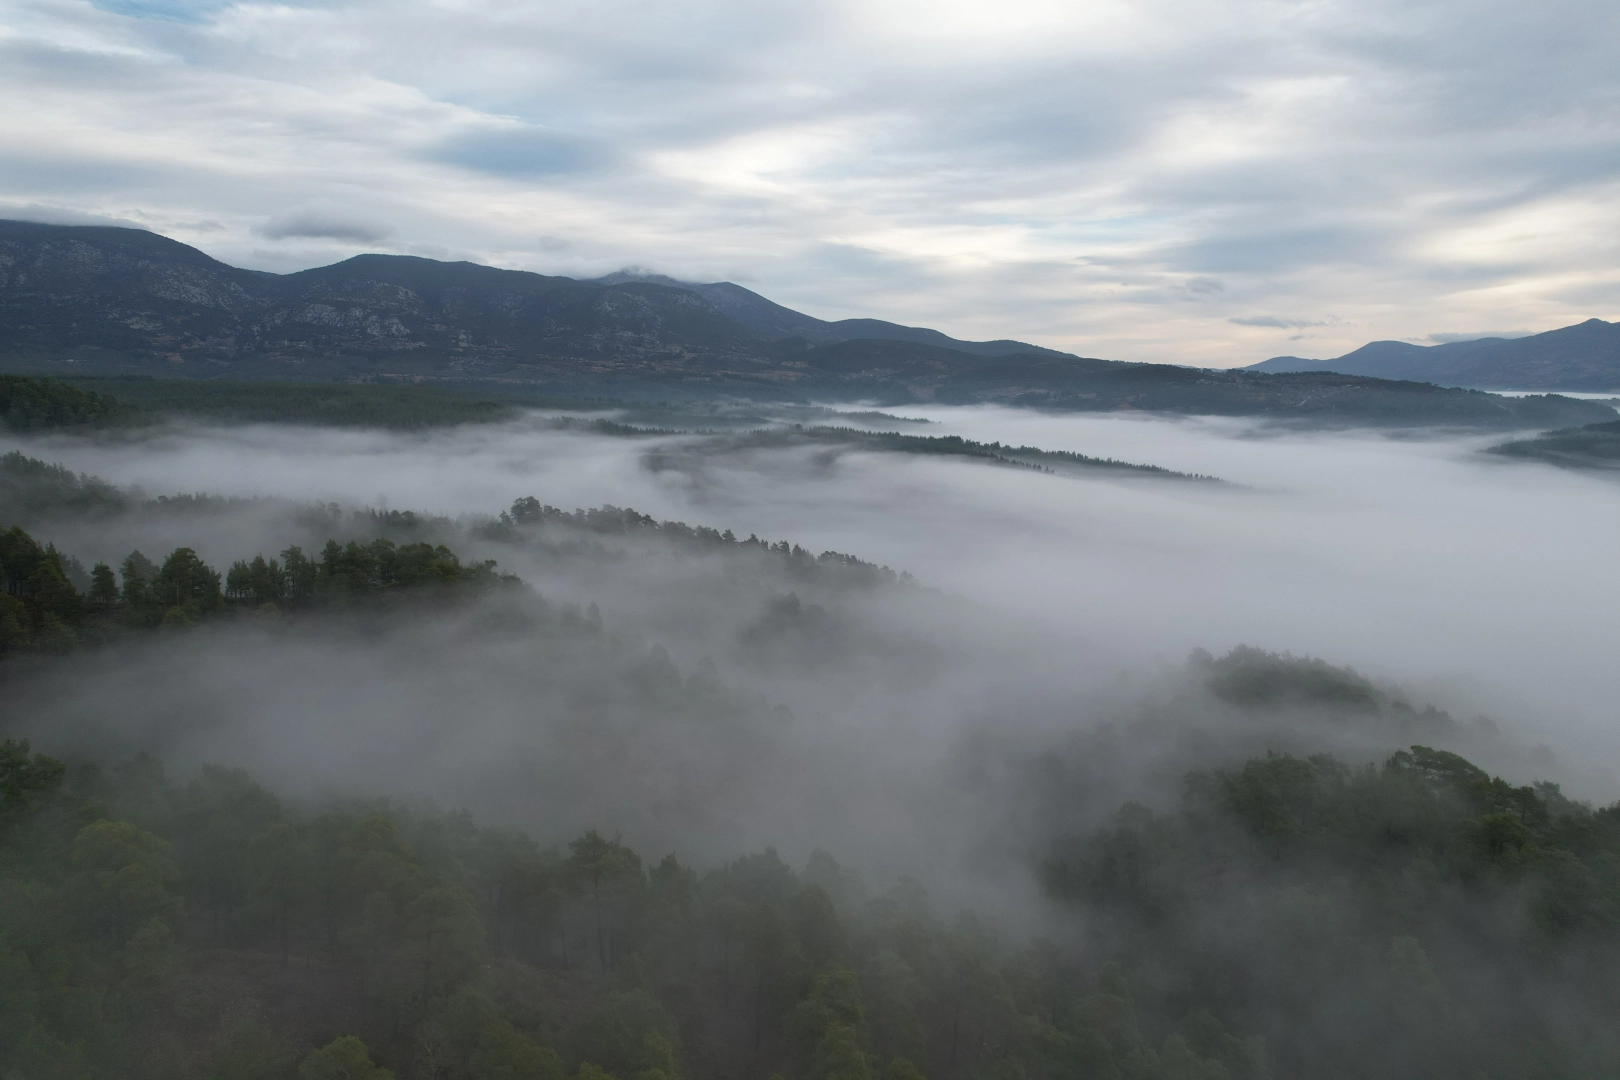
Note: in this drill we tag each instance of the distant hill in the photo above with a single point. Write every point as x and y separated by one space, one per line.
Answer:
774 320
1581 358
1319 398
1595 446
91 300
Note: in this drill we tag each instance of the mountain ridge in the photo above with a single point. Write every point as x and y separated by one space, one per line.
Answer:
83 300
768 317
1582 357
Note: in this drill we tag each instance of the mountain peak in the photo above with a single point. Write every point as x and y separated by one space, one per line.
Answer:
641 276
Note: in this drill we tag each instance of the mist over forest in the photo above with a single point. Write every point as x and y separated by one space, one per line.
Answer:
809 541
585 743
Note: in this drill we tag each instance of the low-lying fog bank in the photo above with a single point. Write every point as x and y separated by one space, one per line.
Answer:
690 803
1486 584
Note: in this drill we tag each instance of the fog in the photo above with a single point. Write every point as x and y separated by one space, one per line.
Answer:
892 723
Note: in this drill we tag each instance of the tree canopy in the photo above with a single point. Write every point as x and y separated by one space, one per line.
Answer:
1293 917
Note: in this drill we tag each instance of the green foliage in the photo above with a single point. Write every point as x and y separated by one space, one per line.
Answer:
23 778
350 571
1293 917
956 446
30 488
125 881
1593 446
40 404
138 594
605 870
16 624
1406 894
104 592
344 1058
631 1034
41 609
477 1041
251 1052
1250 676
185 582
529 516
329 404
832 1024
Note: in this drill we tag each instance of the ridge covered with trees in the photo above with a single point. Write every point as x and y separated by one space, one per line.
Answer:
1419 918
38 491
42 403
1594 446
528 516
41 608
38 404
1294 917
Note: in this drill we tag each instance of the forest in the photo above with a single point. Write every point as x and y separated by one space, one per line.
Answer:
33 404
1593 446
41 609
133 403
50 603
321 791
1292 917
141 401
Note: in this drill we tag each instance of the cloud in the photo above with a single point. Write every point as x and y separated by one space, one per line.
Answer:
325 222
61 215
1355 547
1396 166
182 11
522 152
1277 323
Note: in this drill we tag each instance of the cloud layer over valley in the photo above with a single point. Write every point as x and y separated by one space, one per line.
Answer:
729 701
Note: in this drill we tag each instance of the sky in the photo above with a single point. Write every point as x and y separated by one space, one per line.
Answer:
1206 182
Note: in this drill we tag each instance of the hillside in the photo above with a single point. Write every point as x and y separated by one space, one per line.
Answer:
1582 358
1595 446
1317 398
83 300
773 320
124 300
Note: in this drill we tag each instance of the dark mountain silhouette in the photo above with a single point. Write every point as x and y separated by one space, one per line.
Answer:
1583 357
774 320
1317 398
101 300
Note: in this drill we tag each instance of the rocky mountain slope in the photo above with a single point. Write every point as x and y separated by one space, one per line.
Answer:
773 320
94 300
120 298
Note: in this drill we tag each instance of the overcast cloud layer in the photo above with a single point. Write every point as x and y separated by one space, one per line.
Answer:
1207 182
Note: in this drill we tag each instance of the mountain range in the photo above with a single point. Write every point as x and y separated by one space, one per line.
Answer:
1583 357
102 300
773 320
